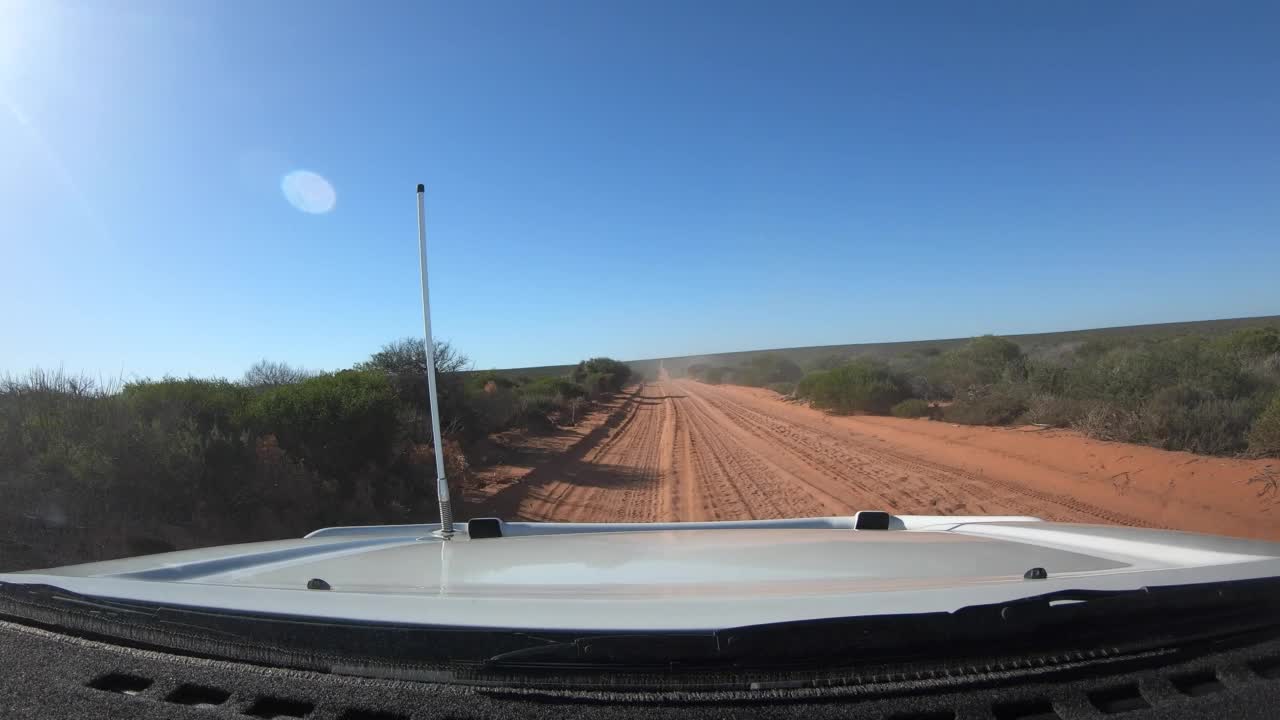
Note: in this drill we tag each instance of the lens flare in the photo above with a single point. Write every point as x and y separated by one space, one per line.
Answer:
309 192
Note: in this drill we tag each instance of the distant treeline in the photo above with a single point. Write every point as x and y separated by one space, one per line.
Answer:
88 472
1205 394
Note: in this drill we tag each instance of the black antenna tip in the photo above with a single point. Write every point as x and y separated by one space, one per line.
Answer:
421 187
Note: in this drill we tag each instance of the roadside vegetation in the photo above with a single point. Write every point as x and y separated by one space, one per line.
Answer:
1215 395
89 472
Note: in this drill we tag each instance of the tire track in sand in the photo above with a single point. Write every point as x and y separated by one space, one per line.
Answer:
917 485
679 450
615 479
735 482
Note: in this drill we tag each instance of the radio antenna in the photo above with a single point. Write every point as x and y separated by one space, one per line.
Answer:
442 485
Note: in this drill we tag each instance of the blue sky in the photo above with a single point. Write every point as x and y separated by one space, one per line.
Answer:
632 179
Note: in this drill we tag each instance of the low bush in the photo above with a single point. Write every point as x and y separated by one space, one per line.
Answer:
489 381
911 408
555 387
1134 374
829 362
714 375
764 370
602 374
89 473
1110 421
808 384
1252 343
337 423
990 409
210 403
1055 411
782 388
1264 436
1185 418
494 409
982 362
859 386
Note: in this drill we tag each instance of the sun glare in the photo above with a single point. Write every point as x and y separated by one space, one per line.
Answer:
309 192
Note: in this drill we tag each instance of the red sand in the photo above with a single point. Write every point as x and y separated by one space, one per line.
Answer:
681 450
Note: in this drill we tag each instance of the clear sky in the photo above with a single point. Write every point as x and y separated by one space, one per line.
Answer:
634 179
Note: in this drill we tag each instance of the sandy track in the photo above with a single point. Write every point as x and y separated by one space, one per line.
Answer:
680 450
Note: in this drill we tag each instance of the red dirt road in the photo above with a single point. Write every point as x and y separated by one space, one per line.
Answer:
681 450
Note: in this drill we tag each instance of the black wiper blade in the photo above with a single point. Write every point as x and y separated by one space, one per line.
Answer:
1075 604
1057 605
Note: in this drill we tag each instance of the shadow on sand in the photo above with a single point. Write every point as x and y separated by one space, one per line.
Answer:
568 466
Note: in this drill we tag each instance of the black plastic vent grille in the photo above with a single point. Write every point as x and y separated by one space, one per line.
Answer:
120 683
1028 710
1197 684
198 695
1123 699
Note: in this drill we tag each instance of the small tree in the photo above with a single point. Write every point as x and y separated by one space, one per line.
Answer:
407 356
268 374
404 363
604 373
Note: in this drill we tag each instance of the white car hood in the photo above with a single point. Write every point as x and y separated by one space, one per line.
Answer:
664 577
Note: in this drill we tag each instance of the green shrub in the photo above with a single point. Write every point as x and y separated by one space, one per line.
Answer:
829 362
982 361
993 351
808 385
554 387
1094 348
990 409
911 408
763 370
404 364
602 374
1185 418
337 423
1133 374
210 403
1252 343
482 380
1055 411
782 388
860 386
1111 421
599 383
495 410
1264 436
